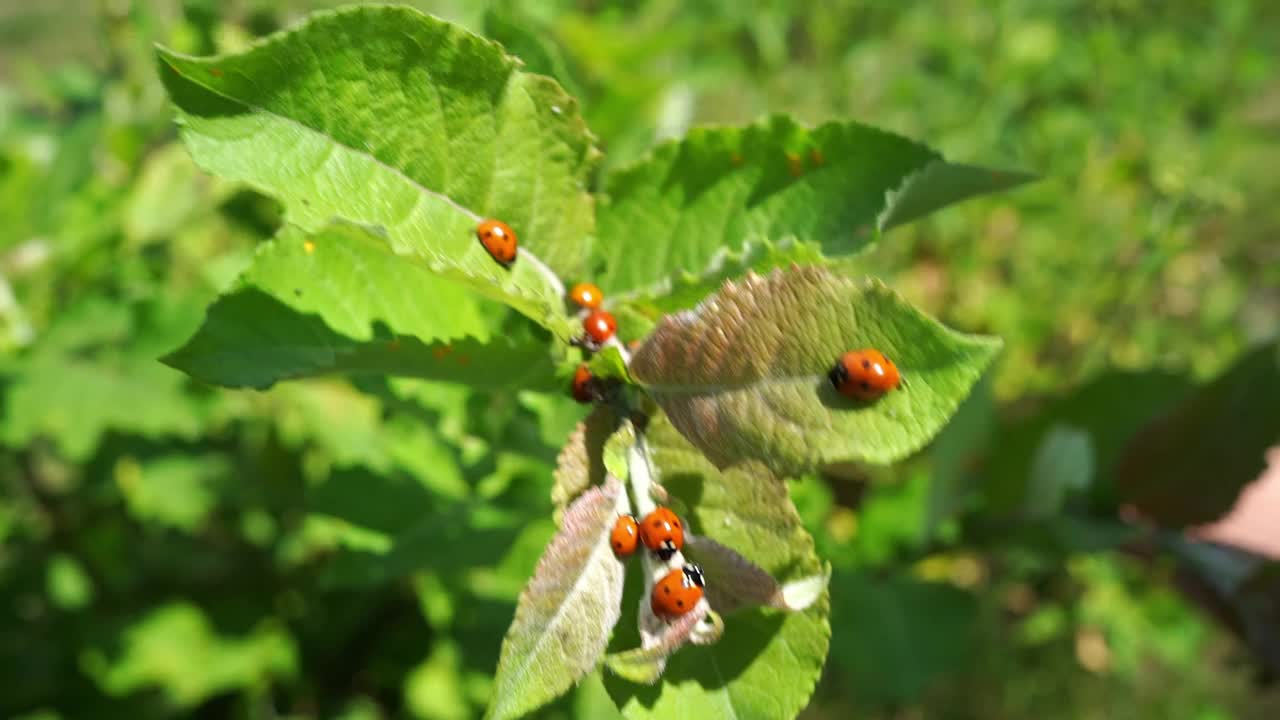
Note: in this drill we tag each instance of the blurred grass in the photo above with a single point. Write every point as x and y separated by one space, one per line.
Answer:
138 552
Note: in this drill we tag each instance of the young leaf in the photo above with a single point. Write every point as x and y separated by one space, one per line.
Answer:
581 462
388 117
739 582
336 301
744 376
1188 467
566 613
835 185
766 662
644 665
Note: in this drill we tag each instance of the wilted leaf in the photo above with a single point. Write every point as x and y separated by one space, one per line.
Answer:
744 375
767 661
388 117
834 185
1188 467
336 301
565 615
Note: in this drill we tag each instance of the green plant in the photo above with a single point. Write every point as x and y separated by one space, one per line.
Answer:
388 135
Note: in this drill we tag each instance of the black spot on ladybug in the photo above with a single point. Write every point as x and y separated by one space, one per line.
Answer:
866 364
865 385
679 603
676 523
666 590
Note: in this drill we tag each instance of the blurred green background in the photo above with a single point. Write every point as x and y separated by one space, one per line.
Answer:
353 547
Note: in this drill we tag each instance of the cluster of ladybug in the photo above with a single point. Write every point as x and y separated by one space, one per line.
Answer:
862 375
680 589
598 326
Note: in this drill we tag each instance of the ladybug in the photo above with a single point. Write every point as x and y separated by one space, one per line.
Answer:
864 374
499 240
624 538
677 592
662 533
583 388
586 295
600 326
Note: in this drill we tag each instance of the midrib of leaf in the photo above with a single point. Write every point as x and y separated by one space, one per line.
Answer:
525 254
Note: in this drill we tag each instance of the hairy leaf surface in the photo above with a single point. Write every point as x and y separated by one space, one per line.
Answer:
744 375
567 612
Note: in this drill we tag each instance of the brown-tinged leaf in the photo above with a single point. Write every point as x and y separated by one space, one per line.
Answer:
744 375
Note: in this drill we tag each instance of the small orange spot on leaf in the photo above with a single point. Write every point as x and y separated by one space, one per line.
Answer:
817 158
736 159
794 166
394 345
215 72
309 246
463 360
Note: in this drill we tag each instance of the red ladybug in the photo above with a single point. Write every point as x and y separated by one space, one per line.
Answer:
864 374
600 326
586 295
677 592
661 532
583 388
624 537
499 239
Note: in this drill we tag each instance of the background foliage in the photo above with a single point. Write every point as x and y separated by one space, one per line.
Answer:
354 547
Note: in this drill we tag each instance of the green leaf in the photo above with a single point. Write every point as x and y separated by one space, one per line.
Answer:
174 490
723 188
337 302
939 184
388 117
684 289
566 613
1062 464
1111 408
744 376
895 636
176 649
1189 466
767 661
75 401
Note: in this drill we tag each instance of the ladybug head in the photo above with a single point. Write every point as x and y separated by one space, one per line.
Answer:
839 375
693 574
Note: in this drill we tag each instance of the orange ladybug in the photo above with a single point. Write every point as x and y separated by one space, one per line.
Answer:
583 389
586 295
677 592
498 239
599 326
864 374
661 532
624 538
